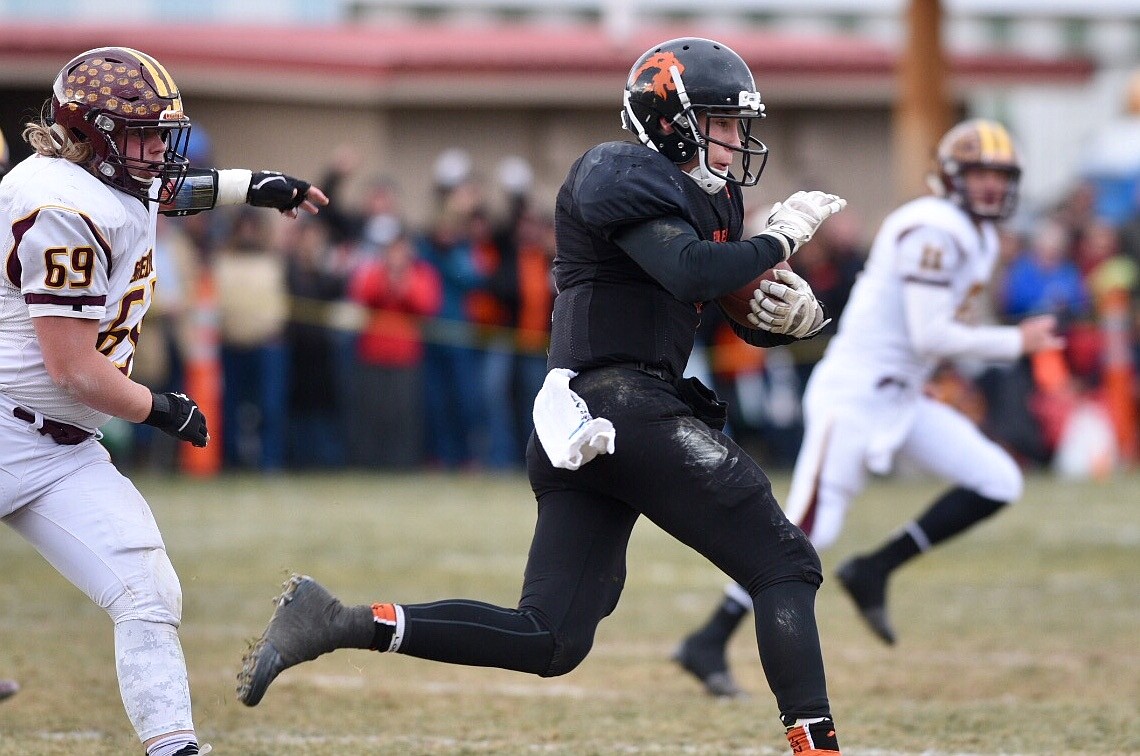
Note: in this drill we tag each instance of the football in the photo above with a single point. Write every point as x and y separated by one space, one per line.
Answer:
736 306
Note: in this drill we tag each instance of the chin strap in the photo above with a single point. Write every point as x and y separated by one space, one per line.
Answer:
711 183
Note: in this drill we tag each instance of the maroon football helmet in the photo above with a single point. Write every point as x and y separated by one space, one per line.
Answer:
105 93
978 143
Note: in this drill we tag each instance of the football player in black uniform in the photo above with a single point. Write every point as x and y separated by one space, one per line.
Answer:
648 233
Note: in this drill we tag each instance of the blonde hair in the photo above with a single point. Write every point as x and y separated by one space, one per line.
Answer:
54 141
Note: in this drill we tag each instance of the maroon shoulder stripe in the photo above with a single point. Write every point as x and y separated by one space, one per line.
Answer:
55 299
13 268
103 243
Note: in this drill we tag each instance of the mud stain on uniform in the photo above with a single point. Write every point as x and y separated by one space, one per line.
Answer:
702 449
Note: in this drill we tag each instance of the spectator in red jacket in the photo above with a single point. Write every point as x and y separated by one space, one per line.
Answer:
399 291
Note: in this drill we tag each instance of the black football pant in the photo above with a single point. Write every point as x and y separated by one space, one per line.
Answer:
693 482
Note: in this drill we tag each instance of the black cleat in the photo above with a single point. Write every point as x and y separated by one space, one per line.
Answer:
867 587
8 688
706 661
301 629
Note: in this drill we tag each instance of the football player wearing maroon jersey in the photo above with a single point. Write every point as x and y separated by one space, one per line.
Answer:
77 222
916 303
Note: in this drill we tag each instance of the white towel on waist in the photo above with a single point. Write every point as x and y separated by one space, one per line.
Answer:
570 435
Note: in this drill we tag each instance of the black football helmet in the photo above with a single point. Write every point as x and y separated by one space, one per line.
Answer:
103 94
977 143
681 79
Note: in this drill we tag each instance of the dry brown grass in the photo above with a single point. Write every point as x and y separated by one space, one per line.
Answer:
1018 638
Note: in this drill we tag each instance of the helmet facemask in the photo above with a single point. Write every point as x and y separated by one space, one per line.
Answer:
748 110
954 178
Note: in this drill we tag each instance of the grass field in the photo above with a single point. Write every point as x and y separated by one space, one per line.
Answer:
1022 637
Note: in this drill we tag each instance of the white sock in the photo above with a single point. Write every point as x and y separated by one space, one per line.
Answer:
171 744
739 595
805 722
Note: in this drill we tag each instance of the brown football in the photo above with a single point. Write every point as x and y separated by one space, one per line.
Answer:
736 305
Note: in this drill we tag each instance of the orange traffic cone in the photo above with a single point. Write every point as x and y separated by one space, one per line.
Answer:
1118 370
1050 371
204 380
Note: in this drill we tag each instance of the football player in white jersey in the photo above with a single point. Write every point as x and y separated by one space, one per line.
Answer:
77 235
865 406
8 688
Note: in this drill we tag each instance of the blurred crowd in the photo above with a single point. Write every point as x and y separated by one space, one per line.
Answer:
354 340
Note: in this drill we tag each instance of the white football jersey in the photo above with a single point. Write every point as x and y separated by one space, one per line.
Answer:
73 247
915 303
933 243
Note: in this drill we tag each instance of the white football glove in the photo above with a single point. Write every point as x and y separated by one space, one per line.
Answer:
793 221
787 307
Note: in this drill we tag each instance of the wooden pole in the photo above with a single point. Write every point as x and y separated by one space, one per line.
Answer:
923 112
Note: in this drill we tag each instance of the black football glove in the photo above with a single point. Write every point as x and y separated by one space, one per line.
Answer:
178 415
276 190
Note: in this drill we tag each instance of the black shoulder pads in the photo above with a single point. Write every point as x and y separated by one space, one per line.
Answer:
618 183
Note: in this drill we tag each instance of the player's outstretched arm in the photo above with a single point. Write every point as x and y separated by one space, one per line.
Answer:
206 188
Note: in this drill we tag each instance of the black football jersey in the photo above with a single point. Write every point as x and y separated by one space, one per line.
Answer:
609 309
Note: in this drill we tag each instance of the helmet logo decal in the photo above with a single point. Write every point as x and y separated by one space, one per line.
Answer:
662 81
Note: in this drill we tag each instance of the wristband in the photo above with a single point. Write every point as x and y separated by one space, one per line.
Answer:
159 409
233 186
